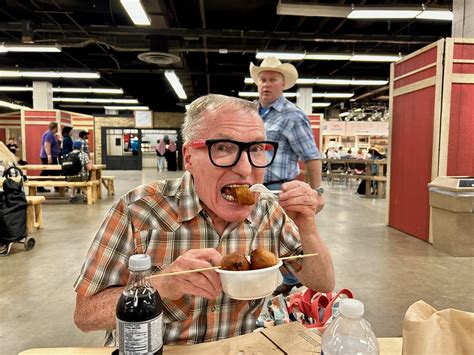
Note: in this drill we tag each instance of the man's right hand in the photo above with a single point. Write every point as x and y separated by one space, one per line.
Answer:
204 284
50 159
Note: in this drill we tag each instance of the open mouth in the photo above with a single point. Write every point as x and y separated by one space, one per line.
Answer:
239 193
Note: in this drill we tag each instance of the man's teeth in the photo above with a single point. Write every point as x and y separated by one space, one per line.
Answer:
228 198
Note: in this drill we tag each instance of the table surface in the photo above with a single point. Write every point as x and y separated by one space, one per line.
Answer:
54 167
388 346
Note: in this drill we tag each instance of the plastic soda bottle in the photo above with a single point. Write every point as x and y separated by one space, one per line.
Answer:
349 333
139 312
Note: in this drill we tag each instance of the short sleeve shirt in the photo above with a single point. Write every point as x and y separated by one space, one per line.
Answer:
48 136
288 125
164 219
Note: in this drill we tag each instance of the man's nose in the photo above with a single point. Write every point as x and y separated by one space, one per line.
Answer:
243 166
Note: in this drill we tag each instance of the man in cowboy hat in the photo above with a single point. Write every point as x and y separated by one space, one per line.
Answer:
288 125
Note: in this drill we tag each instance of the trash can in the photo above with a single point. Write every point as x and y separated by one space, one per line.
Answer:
452 214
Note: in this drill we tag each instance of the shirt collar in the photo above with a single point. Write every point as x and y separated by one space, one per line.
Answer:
277 104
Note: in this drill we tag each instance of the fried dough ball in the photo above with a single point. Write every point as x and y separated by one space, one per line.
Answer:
235 262
261 258
243 195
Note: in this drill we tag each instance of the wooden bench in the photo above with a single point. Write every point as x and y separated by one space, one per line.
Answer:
34 215
108 182
90 186
41 178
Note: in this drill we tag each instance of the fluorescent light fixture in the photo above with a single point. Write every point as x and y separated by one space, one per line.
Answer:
308 81
131 108
333 95
48 74
11 105
281 55
380 13
29 48
176 84
374 58
136 12
103 101
442 15
344 114
16 88
255 94
88 90
327 56
350 82
320 104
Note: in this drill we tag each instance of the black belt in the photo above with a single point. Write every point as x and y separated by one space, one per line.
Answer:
276 182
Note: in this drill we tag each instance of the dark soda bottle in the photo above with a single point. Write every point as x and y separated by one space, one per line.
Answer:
139 312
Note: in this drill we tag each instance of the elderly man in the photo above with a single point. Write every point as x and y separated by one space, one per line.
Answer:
191 222
288 125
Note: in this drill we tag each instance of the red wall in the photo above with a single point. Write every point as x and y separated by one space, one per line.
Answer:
3 135
412 144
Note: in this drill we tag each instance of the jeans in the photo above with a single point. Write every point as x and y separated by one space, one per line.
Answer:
288 279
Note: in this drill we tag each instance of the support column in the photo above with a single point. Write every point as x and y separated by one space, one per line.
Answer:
463 21
304 100
42 95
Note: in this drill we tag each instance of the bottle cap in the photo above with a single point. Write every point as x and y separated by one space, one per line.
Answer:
351 308
139 262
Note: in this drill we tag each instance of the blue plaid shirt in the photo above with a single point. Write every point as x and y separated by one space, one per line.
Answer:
288 125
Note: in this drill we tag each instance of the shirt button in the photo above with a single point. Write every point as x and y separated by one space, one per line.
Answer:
213 309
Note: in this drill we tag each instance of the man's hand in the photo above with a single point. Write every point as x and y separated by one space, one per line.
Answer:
204 284
50 159
300 201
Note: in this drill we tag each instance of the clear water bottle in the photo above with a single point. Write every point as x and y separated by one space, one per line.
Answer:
349 333
139 312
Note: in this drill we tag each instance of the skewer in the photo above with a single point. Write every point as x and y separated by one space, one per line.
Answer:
218 267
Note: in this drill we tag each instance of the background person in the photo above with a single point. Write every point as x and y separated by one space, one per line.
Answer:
160 154
49 152
288 125
192 221
83 174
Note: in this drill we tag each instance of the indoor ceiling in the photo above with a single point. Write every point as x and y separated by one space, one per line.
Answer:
208 43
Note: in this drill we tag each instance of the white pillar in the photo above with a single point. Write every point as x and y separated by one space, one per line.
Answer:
305 99
463 21
42 95
111 112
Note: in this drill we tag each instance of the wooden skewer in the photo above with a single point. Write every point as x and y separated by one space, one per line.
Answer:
218 267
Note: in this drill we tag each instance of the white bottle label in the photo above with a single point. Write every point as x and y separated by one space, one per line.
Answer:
140 337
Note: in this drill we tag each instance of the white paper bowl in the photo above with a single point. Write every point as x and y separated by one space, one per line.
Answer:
251 284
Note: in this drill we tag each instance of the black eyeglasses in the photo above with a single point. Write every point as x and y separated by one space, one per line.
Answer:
225 153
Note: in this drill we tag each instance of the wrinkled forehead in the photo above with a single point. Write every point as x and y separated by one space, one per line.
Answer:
229 116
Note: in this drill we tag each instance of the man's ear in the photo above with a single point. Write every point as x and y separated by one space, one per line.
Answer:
187 157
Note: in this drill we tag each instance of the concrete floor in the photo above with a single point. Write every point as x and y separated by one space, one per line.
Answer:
387 269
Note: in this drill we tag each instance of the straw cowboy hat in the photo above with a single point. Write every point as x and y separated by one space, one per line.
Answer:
288 71
379 149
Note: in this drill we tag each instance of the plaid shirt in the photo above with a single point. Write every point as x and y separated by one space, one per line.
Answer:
286 124
164 219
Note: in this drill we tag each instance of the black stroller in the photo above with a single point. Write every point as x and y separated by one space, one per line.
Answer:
13 205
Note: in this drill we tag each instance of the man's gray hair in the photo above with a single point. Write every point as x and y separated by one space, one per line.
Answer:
195 118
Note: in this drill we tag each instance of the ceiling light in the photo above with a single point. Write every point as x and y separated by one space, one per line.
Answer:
29 48
328 56
350 82
255 94
131 108
48 74
16 88
383 13
335 95
176 84
136 12
80 99
281 55
344 114
374 58
12 106
88 90
442 15
321 104
309 81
